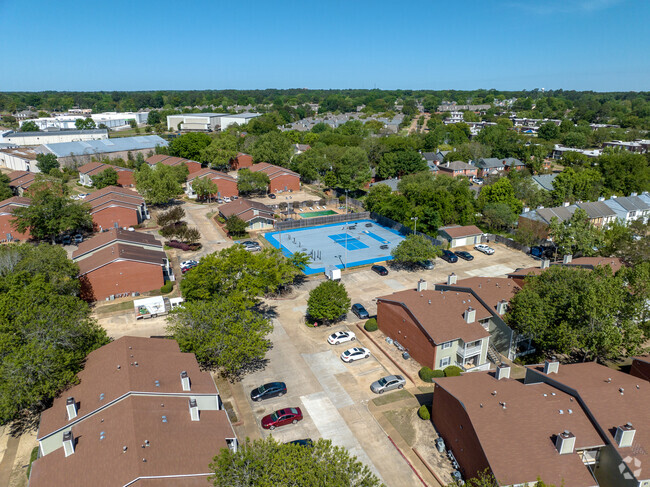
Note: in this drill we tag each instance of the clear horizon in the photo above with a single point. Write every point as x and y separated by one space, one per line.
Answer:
581 45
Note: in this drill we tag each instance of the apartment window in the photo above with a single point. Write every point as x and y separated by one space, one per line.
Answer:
445 362
446 345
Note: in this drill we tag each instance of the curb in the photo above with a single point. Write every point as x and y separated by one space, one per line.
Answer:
417 474
429 468
385 354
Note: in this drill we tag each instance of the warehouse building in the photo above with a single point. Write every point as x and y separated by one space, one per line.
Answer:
203 122
52 136
111 120
19 159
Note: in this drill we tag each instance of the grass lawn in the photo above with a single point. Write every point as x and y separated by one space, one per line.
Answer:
32 457
402 421
392 397
114 307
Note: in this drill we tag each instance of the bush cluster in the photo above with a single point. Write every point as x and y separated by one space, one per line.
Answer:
453 371
175 244
371 325
167 287
423 412
427 375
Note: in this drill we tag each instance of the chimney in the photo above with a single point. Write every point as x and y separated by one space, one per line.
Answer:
625 435
502 372
526 209
545 263
502 307
565 204
71 408
634 194
470 315
452 279
185 381
602 198
68 443
551 366
565 442
194 410
567 259
422 285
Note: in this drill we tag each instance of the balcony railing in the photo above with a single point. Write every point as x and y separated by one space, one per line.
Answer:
470 351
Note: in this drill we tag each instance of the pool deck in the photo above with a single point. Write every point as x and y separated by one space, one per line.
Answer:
344 245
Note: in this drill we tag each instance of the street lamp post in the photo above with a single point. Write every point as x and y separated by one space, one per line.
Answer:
415 228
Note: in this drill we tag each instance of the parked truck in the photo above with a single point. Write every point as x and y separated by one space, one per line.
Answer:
156 306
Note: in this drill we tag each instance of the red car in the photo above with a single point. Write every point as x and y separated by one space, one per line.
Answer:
281 417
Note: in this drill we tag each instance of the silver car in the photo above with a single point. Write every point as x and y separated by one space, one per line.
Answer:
387 383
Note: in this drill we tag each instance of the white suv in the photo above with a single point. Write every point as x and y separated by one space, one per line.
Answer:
484 248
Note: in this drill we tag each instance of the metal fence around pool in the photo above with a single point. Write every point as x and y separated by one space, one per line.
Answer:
320 220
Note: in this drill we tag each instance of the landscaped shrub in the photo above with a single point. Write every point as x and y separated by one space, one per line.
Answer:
175 244
167 287
453 371
371 325
426 374
423 412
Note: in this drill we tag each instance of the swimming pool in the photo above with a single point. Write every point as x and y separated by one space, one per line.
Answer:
312 214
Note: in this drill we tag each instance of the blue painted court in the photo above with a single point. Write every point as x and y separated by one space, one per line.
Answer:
347 244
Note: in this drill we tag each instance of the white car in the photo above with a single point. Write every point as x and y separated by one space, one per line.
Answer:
341 337
356 353
484 248
189 263
226 199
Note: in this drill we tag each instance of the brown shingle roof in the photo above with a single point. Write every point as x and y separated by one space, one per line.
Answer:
599 389
155 159
9 204
114 235
113 200
241 205
490 290
441 313
591 262
518 440
120 252
456 166
113 190
22 179
157 358
93 168
177 447
459 232
272 171
210 173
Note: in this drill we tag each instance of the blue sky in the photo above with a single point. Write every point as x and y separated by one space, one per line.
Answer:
601 45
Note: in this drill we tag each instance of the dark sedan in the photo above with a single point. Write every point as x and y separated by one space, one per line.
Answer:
449 256
464 255
267 391
360 311
379 269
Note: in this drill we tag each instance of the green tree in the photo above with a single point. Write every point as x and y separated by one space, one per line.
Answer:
84 123
29 126
576 311
500 192
252 182
575 235
221 151
549 131
624 172
581 184
204 188
51 212
273 148
350 171
46 329
266 462
5 190
108 177
235 271
499 216
189 146
223 332
400 163
328 302
158 186
153 118
415 248
236 226
46 162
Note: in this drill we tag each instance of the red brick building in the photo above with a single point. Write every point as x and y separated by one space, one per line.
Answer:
282 179
490 421
8 232
257 215
242 161
20 181
192 166
227 185
125 177
121 262
458 168
116 207
641 367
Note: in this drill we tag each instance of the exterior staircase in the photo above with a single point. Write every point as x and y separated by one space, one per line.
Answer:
493 355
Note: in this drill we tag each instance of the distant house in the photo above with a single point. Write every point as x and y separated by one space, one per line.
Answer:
460 236
437 328
125 177
639 146
589 263
300 148
121 262
19 159
20 181
142 414
257 216
8 232
458 168
281 179
226 185
491 165
114 207
544 181
538 221
629 208
559 151
242 161
391 183
165 160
